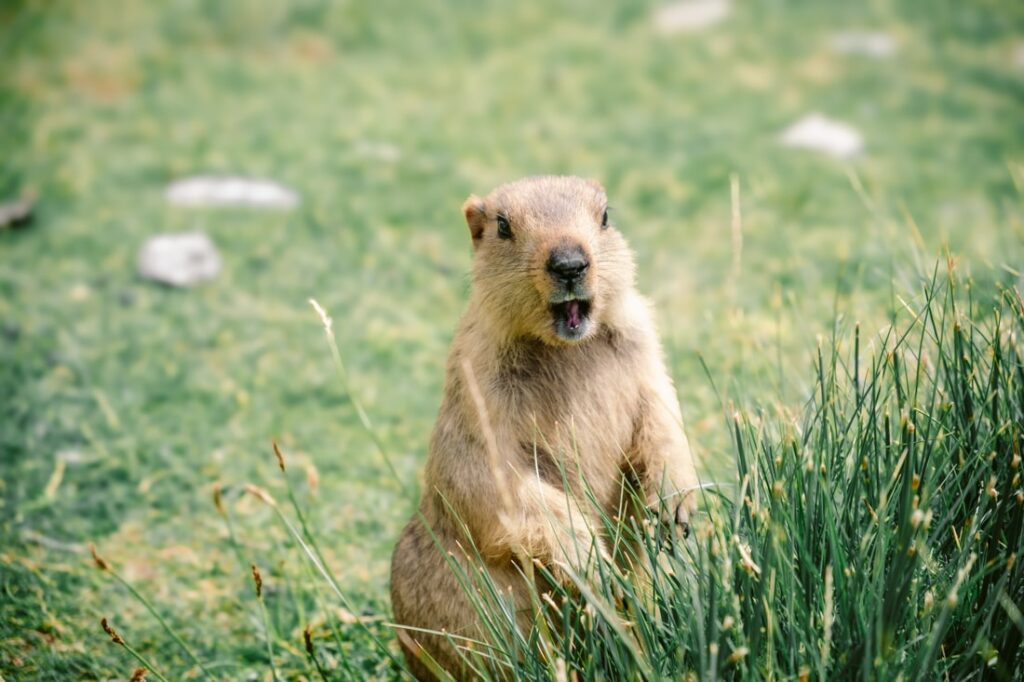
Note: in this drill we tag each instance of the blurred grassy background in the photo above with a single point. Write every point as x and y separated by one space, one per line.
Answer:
124 401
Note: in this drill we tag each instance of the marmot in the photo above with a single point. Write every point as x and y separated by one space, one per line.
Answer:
558 353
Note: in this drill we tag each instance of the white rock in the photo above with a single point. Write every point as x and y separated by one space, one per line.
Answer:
181 260
15 213
822 134
211 190
685 16
867 43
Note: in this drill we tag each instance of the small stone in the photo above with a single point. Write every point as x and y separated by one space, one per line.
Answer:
180 260
822 134
687 16
15 213
209 190
873 44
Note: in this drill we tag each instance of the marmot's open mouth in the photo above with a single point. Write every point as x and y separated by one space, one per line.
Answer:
571 318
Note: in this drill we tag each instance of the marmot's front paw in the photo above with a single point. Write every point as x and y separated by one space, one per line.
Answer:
682 517
579 552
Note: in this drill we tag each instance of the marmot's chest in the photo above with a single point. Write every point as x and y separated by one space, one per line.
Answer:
579 400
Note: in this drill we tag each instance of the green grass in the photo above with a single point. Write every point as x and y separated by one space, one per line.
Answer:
161 393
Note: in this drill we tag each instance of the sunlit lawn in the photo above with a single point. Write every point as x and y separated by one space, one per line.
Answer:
123 402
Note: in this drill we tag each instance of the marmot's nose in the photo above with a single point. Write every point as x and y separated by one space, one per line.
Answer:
568 263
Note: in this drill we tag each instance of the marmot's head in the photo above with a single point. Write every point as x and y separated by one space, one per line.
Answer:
548 263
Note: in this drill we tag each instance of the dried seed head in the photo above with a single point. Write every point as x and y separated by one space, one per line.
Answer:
560 671
258 580
138 675
307 638
929 601
312 477
990 489
218 503
101 563
324 317
260 493
777 489
746 560
916 518
277 453
114 637
737 655
915 482
728 622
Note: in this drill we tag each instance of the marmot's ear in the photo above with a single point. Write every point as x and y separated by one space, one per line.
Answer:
476 217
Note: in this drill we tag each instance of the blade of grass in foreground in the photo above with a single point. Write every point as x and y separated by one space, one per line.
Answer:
364 417
116 638
104 566
257 579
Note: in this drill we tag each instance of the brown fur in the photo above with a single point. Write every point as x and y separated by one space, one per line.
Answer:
521 404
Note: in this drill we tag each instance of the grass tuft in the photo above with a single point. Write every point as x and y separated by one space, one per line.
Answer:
116 638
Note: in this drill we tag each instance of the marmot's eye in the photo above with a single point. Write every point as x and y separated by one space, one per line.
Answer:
604 219
504 229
